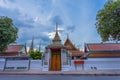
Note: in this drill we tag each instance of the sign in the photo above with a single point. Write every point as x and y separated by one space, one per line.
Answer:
78 62
55 49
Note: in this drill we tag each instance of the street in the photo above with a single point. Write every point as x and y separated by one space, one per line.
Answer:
57 77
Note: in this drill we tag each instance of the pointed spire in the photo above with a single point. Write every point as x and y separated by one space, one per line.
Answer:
26 49
56 27
40 45
32 45
56 39
68 43
67 36
85 47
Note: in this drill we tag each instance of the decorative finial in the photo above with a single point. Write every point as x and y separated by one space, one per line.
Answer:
56 27
67 35
40 45
26 49
32 45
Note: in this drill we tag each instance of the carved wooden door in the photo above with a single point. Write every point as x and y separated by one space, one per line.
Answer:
56 61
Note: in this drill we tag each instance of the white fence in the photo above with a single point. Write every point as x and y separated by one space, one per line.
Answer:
77 66
98 64
36 64
89 64
2 63
17 65
102 64
20 64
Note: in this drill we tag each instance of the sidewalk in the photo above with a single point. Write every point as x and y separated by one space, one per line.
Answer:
39 72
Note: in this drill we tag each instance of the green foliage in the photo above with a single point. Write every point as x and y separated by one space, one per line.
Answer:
36 54
108 21
8 32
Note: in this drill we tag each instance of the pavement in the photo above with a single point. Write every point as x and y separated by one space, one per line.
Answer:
39 72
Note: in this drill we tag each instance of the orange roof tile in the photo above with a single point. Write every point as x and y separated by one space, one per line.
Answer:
104 47
106 55
69 45
14 48
103 50
76 53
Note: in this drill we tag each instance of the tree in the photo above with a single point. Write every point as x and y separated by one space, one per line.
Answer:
108 21
8 32
36 54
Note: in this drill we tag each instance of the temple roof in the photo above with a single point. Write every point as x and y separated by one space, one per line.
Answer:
104 47
56 38
74 51
14 48
104 50
69 45
56 42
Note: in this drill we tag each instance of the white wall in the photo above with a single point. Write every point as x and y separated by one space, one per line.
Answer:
2 63
36 64
76 67
89 64
17 64
97 64
63 57
21 64
102 63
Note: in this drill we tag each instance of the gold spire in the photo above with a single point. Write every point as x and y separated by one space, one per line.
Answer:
67 36
32 45
40 46
56 42
26 49
56 39
56 27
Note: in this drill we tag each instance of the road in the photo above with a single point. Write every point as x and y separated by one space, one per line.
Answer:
57 77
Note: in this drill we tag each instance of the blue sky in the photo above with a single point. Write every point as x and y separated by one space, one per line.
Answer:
38 18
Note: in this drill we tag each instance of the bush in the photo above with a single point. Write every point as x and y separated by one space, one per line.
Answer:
36 54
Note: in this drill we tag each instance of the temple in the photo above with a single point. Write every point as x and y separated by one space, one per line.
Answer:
66 57
15 50
55 54
58 55
63 57
74 52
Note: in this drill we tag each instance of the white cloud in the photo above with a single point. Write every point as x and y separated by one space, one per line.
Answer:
2 3
51 35
60 28
36 18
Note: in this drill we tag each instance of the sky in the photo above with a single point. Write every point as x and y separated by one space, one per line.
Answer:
38 18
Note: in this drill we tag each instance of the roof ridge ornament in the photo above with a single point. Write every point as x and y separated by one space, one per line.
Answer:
56 38
56 27
67 36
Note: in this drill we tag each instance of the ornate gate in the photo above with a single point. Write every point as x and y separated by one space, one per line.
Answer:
55 60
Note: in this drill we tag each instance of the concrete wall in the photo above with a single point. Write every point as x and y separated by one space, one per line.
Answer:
20 64
89 64
2 63
36 64
98 64
76 67
102 64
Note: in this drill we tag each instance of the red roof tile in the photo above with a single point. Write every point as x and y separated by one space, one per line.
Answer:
106 55
76 53
14 48
69 45
104 47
